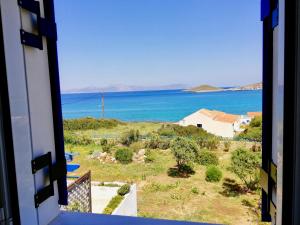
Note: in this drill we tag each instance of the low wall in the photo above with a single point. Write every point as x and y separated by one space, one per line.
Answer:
128 207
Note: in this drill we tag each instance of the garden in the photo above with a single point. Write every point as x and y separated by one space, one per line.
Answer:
182 173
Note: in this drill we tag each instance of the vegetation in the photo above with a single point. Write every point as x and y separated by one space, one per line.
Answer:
156 142
213 174
172 130
185 152
76 207
210 142
124 155
90 124
206 158
124 189
227 145
253 132
245 164
162 191
74 139
113 204
130 137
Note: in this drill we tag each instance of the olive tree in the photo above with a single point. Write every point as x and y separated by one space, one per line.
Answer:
245 164
185 151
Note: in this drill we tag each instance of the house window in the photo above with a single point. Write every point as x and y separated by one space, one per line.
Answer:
199 125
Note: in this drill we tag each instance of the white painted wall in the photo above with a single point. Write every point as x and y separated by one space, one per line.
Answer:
215 127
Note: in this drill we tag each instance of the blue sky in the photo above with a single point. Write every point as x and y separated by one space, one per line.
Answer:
158 42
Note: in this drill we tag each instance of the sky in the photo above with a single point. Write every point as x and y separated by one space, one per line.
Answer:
158 42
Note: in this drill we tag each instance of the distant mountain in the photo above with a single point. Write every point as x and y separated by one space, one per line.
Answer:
204 88
121 88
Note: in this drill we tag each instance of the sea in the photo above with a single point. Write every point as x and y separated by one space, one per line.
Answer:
157 106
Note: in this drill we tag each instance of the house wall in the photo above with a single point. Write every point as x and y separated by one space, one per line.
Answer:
215 127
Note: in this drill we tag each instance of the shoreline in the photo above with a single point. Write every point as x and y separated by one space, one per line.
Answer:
222 90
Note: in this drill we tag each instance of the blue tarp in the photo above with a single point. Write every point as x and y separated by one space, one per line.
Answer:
72 167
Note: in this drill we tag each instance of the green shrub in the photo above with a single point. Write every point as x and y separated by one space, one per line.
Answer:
90 123
113 204
172 130
210 143
227 145
149 156
157 142
245 164
74 139
124 189
130 137
136 146
124 155
195 190
76 207
256 122
213 174
103 142
184 150
106 145
252 132
207 158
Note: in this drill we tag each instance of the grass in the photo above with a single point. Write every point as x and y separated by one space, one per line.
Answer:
162 196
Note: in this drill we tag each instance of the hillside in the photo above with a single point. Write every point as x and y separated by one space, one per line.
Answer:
204 88
254 86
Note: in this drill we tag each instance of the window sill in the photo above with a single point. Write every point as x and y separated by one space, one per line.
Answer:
70 218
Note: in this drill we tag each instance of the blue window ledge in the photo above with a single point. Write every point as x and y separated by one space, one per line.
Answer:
71 218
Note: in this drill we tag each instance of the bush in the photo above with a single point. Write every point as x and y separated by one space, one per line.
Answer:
149 156
207 158
125 189
253 131
124 155
227 145
130 137
195 190
184 150
210 143
76 207
136 146
213 174
256 122
74 139
90 123
103 142
157 142
106 145
172 130
245 164
113 204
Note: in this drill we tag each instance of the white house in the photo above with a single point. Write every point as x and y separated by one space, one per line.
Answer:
215 122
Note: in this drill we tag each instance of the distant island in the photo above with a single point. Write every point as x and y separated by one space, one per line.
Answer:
204 88
209 88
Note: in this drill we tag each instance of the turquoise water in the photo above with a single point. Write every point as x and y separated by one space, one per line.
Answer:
170 105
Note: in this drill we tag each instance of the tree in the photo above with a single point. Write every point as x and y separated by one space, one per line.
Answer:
252 132
245 164
185 151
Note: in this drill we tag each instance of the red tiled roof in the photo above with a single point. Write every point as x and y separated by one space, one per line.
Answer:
254 114
220 116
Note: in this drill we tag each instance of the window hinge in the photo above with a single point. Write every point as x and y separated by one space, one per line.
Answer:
55 171
44 27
